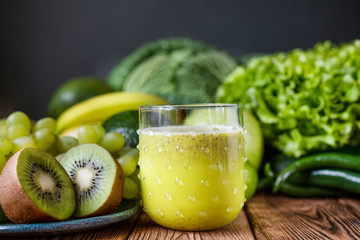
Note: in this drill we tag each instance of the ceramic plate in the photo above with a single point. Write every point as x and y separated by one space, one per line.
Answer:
127 209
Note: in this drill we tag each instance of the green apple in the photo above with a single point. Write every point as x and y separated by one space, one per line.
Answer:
251 180
254 141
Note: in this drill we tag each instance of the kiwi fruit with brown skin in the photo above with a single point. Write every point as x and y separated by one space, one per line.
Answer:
97 177
36 188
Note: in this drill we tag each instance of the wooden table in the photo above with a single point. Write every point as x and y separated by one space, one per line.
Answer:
265 216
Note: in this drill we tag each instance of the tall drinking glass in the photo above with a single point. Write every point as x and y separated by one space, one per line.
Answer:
192 164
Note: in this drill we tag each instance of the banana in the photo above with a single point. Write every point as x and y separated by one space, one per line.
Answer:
100 107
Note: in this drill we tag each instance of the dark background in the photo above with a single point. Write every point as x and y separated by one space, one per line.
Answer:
44 43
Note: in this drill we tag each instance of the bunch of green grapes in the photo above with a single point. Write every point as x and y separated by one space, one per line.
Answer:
17 132
128 159
91 133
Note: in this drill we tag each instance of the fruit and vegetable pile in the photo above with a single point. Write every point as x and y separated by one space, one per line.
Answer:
49 178
81 160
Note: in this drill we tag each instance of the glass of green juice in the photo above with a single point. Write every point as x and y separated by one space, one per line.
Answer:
192 164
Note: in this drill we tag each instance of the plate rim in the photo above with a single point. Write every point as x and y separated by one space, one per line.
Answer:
70 226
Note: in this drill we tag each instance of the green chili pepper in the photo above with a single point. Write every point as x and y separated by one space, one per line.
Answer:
265 184
308 191
343 179
268 181
268 171
280 161
316 161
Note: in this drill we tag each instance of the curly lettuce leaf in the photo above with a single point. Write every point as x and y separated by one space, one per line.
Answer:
306 100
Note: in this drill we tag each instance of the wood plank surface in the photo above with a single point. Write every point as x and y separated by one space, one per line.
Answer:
281 217
266 216
147 229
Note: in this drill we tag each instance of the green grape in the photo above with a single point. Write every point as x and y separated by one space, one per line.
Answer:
23 142
18 118
99 129
53 148
48 123
131 189
65 143
5 146
44 138
3 128
128 164
87 134
17 130
2 161
132 152
134 176
112 141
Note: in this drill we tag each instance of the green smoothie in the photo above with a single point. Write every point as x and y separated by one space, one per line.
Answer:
192 178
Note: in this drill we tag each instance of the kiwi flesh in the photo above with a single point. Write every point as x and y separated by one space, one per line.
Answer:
97 177
36 188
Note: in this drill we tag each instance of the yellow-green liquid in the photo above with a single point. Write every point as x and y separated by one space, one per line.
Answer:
192 178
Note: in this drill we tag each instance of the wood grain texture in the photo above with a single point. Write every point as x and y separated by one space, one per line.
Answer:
270 217
280 217
118 231
147 229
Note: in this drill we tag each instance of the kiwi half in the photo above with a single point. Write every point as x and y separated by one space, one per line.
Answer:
97 177
36 188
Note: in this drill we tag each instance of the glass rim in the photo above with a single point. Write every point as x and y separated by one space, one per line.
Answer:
189 106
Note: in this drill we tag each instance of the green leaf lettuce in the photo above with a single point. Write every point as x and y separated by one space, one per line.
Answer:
306 100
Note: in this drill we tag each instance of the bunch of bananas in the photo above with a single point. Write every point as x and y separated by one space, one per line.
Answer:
100 107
